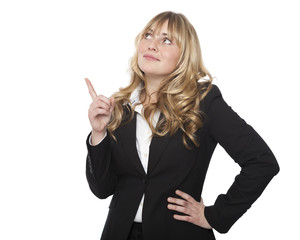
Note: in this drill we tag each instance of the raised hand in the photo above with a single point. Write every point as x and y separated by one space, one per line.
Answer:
99 113
188 205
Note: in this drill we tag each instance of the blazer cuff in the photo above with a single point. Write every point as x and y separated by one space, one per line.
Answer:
211 217
90 139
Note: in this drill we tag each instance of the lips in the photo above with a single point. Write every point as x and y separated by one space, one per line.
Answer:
150 57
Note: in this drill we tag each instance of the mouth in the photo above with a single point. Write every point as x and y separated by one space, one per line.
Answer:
150 57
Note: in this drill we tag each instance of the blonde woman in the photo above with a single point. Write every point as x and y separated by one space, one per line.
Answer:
151 143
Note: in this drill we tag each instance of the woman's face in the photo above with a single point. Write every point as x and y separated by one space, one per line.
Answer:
157 54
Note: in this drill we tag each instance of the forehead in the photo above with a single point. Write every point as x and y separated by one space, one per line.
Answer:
162 28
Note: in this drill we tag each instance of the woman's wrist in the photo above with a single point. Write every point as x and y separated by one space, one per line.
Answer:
97 137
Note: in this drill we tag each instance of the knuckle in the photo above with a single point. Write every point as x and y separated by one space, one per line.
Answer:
100 111
98 100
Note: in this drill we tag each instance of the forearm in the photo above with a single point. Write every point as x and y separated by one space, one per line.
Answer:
99 171
245 190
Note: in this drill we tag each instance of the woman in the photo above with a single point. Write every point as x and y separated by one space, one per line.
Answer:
151 143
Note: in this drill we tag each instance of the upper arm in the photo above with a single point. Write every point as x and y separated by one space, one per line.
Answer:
232 132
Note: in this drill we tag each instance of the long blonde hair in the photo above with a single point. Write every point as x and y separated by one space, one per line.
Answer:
180 94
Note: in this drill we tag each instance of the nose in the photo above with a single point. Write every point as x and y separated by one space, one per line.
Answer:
153 45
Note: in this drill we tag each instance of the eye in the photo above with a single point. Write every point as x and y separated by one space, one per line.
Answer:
167 41
148 36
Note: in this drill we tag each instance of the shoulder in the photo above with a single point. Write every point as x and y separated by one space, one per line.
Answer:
213 94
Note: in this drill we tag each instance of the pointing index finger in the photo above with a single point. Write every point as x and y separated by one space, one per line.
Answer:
91 88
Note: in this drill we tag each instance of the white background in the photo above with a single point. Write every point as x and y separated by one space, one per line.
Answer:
47 48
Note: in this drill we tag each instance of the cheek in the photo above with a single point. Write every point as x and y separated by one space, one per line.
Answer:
139 54
173 59
140 51
141 47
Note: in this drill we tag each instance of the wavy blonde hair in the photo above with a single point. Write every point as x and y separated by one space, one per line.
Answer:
180 94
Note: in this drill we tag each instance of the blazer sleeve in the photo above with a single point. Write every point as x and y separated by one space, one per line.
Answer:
99 168
248 149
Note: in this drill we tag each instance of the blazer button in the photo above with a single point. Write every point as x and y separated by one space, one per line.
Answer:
144 180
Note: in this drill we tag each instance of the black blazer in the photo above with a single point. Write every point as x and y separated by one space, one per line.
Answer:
115 168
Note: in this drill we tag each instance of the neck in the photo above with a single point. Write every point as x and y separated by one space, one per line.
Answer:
152 87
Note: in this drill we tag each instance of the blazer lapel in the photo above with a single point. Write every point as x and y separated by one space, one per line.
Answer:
157 146
129 143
